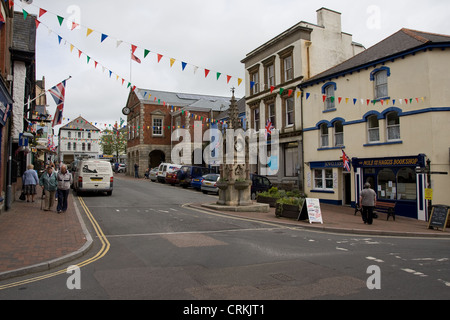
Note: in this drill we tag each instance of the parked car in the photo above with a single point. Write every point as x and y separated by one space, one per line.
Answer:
122 168
188 173
259 184
153 174
196 183
164 168
93 176
209 183
172 177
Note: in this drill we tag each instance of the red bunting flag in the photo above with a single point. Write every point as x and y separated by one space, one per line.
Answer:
74 25
271 89
324 97
42 12
290 91
228 79
133 48
206 72
159 57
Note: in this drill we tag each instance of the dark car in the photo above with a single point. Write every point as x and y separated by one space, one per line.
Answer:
189 173
259 184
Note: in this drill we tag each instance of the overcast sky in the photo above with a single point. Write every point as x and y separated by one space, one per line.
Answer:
211 34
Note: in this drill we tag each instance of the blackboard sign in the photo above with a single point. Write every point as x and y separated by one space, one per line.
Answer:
439 217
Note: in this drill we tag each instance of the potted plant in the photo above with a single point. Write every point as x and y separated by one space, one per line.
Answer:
289 207
270 197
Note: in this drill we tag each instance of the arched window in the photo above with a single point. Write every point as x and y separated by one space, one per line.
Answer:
324 141
393 126
373 127
330 100
381 84
387 185
338 134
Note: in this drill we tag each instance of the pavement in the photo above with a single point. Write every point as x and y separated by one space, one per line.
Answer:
32 240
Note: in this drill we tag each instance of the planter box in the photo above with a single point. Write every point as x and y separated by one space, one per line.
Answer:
269 200
287 211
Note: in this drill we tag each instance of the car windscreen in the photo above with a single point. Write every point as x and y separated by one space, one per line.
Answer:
96 168
211 177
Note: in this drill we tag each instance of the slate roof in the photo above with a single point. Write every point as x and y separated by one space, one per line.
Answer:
24 35
185 100
398 44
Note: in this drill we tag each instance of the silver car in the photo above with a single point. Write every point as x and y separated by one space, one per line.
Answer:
209 183
153 174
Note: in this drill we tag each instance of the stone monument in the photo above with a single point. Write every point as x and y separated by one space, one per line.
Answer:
235 181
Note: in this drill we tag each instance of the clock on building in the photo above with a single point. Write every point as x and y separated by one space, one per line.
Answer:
126 111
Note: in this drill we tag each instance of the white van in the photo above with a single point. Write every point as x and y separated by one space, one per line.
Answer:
164 168
93 176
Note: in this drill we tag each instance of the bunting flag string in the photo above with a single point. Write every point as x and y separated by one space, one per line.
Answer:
104 36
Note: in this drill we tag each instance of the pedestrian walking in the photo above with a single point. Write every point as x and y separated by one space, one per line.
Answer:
136 170
65 180
367 200
49 184
30 180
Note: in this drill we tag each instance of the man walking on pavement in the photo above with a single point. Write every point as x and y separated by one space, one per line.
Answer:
367 200
49 183
64 182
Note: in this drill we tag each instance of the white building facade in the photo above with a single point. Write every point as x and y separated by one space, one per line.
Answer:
78 138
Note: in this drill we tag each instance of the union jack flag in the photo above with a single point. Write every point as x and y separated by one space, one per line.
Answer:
58 93
269 128
346 161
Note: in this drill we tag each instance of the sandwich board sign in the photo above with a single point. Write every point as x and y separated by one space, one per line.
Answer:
311 211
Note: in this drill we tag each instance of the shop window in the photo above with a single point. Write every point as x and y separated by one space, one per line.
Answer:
393 126
338 134
406 184
387 187
373 129
324 136
323 179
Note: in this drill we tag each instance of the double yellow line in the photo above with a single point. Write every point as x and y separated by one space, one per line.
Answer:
100 254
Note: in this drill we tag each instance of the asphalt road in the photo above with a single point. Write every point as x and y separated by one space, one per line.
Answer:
148 245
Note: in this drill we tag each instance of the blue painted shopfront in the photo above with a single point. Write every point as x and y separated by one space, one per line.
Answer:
395 180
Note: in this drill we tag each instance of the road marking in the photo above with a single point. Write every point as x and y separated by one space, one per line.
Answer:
374 259
188 232
102 252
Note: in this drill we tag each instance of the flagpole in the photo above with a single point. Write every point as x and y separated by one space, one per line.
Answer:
45 92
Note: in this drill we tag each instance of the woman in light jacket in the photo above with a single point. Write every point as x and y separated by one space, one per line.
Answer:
30 180
64 182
